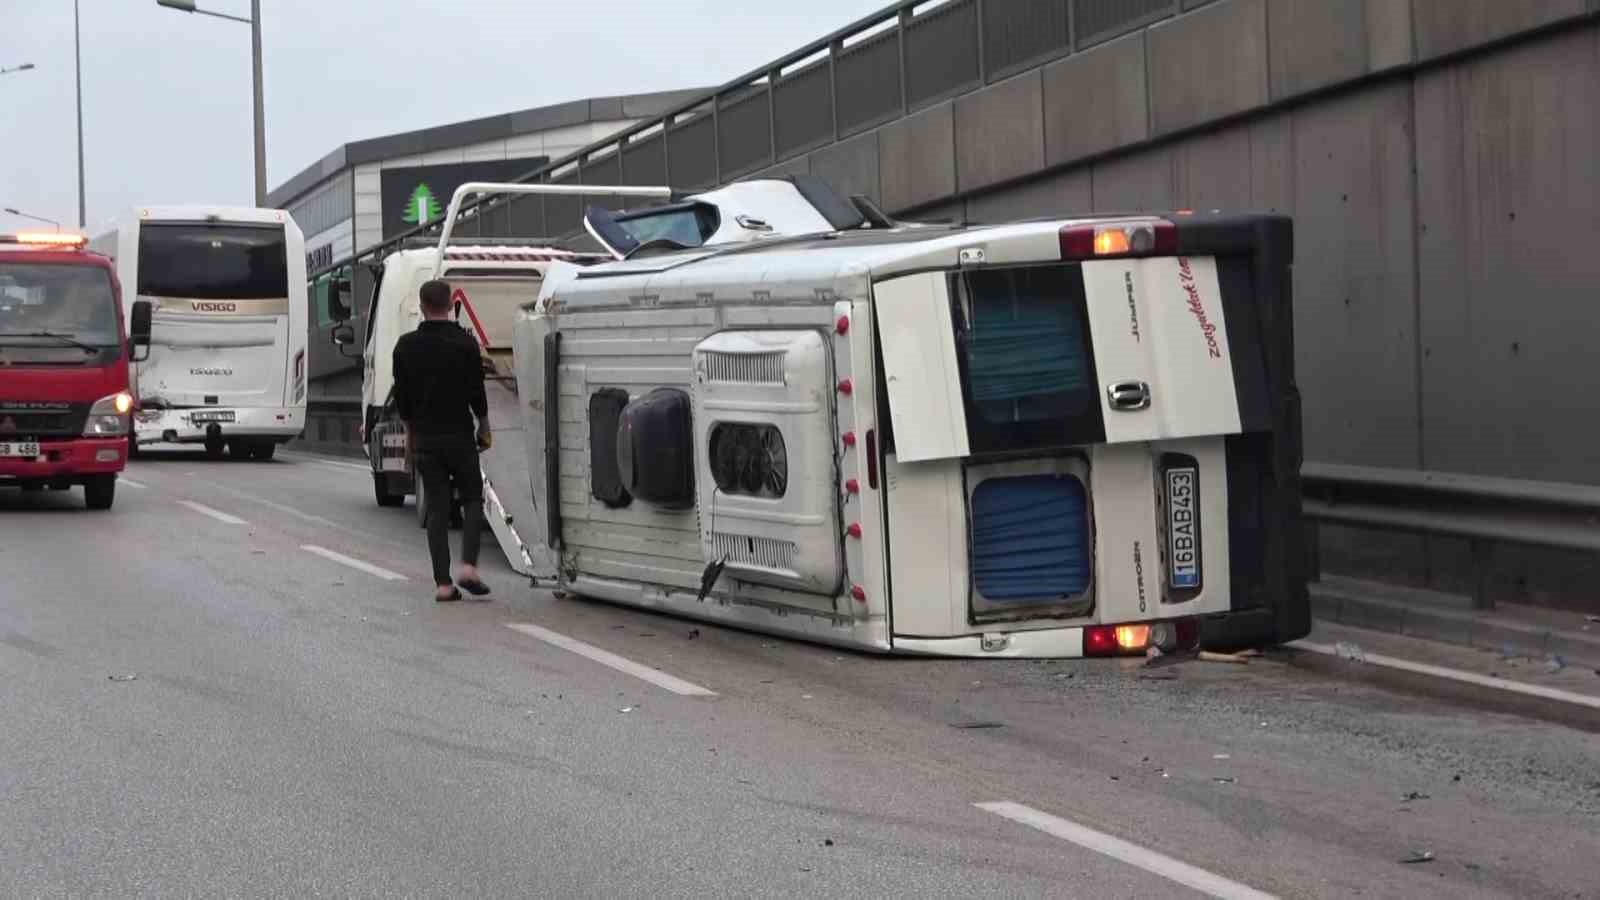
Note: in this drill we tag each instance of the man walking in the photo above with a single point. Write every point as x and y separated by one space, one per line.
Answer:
438 390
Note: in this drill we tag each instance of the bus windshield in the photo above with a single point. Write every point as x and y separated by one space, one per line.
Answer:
213 262
41 303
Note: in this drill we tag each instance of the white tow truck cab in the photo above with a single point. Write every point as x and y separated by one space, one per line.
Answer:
1053 438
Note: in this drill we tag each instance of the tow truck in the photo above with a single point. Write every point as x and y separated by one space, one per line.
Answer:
66 402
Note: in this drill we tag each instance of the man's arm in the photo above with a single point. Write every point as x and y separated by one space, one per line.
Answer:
402 388
477 399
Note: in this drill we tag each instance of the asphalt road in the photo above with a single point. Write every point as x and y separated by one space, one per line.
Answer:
192 702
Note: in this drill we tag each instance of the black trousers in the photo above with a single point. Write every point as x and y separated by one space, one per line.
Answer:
443 463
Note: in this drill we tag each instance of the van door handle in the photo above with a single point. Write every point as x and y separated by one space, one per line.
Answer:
1128 396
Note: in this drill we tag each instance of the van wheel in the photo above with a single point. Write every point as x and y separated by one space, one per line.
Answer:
99 491
381 493
263 450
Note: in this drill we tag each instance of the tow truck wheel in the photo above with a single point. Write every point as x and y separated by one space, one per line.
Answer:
99 491
381 492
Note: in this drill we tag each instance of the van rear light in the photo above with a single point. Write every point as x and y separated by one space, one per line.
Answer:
1100 640
1134 639
1152 237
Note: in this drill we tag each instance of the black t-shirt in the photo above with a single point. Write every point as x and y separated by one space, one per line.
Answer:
438 380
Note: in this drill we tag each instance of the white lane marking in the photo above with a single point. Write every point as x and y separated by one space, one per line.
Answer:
1116 848
1501 684
217 514
607 658
323 461
123 479
291 511
353 563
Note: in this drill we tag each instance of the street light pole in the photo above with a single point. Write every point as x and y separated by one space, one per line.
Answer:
261 124
255 61
19 213
77 56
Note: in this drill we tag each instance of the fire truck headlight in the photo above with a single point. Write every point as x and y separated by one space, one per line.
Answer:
109 416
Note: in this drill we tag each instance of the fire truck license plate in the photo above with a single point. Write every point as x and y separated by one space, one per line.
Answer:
1183 528
25 449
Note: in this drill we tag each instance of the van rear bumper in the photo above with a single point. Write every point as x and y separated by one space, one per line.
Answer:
280 423
70 459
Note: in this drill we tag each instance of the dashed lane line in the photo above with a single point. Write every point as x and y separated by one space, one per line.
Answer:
606 658
352 562
217 514
138 486
1134 855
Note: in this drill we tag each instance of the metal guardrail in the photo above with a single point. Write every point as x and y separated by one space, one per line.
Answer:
1480 509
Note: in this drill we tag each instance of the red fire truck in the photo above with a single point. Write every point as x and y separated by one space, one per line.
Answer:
65 400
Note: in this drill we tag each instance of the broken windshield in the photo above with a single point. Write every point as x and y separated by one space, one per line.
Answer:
49 304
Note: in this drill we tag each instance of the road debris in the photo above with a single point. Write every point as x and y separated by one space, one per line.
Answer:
1591 618
976 725
1418 856
627 709
1235 658
1065 676
1221 756
1555 663
827 842
694 633
1223 779
1349 651
131 676
1159 675
1414 795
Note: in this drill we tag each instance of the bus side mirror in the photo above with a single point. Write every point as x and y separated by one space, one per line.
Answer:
139 330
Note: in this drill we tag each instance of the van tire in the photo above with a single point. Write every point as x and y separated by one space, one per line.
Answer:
381 493
263 450
99 491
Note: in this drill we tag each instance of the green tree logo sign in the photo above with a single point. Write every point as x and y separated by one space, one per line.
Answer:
421 207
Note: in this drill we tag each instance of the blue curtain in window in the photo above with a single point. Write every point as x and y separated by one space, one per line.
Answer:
1024 348
1030 538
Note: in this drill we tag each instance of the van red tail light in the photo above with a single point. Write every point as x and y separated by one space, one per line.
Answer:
1150 237
1100 640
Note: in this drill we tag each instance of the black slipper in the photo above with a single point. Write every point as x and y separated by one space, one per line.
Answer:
454 595
474 587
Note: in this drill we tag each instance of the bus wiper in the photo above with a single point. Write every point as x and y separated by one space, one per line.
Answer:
65 338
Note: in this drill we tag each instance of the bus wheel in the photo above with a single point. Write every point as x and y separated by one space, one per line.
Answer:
99 491
214 448
263 450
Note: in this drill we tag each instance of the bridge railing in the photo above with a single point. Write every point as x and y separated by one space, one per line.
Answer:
907 56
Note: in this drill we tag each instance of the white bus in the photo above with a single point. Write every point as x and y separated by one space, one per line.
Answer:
227 364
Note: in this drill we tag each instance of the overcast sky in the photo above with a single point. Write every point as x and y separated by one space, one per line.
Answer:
166 94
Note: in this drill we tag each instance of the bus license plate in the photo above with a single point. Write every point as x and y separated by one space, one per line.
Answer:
215 415
23 449
1183 528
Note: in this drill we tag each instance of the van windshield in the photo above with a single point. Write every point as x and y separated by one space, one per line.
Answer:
42 304
213 262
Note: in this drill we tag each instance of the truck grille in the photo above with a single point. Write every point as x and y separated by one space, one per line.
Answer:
38 423
745 368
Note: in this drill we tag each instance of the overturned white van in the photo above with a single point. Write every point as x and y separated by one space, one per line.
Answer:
1052 438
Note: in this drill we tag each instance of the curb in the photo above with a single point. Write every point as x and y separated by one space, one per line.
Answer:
1347 604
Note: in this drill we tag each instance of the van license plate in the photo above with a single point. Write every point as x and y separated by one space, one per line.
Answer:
24 449
1183 528
212 415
